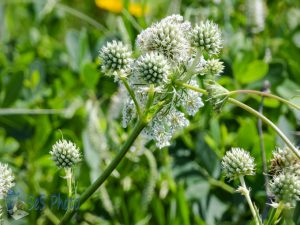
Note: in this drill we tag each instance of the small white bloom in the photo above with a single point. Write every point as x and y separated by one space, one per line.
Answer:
176 120
168 37
129 112
65 154
207 36
6 180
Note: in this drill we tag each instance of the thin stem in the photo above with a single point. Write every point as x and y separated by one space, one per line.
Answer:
12 111
217 183
266 95
100 180
267 121
246 193
191 87
132 95
81 16
69 176
50 215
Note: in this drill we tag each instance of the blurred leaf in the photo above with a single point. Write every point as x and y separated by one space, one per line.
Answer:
254 71
13 89
89 75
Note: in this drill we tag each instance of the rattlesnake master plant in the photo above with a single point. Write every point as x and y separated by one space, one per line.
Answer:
238 162
6 180
65 154
285 182
169 52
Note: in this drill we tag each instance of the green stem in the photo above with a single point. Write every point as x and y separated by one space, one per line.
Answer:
132 95
267 121
94 187
277 214
191 87
14 111
246 193
266 95
217 183
69 175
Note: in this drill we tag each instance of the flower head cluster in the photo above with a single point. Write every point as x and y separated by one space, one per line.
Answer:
238 162
207 36
6 180
285 182
167 37
152 68
286 188
168 55
65 154
115 56
284 160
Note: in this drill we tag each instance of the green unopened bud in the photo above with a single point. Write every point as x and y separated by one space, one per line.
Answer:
65 154
238 162
115 56
286 188
207 36
152 67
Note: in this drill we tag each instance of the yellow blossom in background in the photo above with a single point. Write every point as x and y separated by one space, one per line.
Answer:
116 6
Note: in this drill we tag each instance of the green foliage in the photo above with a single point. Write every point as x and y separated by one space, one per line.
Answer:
49 60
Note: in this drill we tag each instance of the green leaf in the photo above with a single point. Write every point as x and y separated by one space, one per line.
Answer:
13 89
255 71
89 75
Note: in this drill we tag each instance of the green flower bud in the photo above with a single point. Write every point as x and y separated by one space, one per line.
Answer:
217 95
115 56
286 188
65 154
207 36
152 67
238 162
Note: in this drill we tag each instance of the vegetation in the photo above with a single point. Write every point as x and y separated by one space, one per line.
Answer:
82 140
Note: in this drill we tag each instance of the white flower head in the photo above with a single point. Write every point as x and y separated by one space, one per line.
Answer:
176 120
286 188
168 37
238 162
6 180
115 57
212 67
152 68
207 36
65 154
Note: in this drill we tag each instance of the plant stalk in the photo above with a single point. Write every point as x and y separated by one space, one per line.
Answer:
94 187
267 121
246 193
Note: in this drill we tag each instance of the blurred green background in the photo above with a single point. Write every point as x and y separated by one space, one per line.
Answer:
49 60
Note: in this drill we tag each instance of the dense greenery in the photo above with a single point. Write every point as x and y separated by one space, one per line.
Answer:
51 86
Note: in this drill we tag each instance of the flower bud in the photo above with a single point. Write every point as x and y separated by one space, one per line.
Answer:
65 154
115 56
286 188
217 95
6 180
207 36
152 68
238 162
212 68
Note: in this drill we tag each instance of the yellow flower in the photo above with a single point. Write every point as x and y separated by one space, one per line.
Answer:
116 6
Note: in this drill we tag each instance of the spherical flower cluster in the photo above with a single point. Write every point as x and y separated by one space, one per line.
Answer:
167 37
65 154
284 160
169 56
152 68
286 188
6 180
213 67
207 36
115 56
238 162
